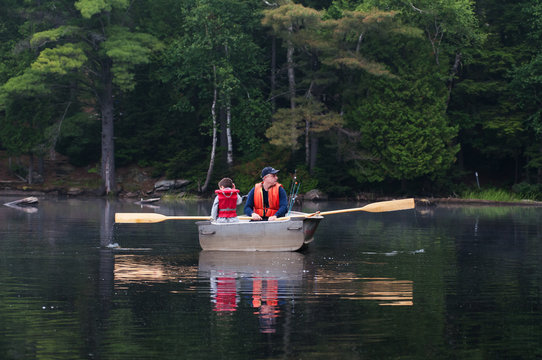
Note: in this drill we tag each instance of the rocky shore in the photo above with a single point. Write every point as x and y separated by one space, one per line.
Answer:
62 179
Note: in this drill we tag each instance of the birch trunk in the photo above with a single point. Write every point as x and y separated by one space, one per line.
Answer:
229 159
213 148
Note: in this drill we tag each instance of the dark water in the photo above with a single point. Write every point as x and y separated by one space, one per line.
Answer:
431 283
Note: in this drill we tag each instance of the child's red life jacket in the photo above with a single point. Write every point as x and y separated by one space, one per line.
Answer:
227 202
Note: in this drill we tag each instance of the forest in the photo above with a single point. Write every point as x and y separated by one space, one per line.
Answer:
396 97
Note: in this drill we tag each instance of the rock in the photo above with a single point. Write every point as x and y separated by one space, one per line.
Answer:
74 191
315 195
165 185
37 178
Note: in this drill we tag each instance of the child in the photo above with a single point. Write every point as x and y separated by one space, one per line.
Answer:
226 201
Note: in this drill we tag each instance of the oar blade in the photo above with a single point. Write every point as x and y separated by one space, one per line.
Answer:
392 205
138 218
382 206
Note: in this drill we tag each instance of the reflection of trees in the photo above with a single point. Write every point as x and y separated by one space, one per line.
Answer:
385 291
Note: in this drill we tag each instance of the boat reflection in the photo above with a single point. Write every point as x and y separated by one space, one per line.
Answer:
263 281
266 284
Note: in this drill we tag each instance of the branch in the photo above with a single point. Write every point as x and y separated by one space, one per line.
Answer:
270 4
416 9
349 133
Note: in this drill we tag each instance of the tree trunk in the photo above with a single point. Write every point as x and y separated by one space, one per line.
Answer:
273 73
228 132
314 151
516 168
213 148
222 138
291 74
30 168
41 166
108 142
307 143
56 133
453 73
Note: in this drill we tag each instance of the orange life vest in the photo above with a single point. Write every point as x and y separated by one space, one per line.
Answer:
272 198
227 202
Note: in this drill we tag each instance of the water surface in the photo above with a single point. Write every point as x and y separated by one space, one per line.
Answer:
435 282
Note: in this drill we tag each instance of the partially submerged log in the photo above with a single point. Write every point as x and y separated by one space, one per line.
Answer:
147 201
24 205
21 202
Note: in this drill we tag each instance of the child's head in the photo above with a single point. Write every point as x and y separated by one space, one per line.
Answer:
226 183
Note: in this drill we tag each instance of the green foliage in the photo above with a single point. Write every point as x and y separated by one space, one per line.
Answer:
386 66
30 83
290 124
42 38
492 194
80 139
128 49
251 119
404 134
528 191
61 60
88 8
304 178
23 131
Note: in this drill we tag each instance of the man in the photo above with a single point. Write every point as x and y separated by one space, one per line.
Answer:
267 200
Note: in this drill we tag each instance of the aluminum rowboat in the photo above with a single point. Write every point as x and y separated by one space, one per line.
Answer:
282 235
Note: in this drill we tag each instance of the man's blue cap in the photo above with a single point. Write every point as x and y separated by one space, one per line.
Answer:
268 170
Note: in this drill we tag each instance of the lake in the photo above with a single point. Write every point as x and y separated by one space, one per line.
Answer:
438 282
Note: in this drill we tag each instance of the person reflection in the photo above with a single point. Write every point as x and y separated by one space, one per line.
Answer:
265 300
224 292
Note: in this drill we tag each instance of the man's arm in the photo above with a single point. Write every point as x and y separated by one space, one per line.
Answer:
249 204
283 203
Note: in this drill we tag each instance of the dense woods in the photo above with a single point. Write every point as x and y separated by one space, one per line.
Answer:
386 96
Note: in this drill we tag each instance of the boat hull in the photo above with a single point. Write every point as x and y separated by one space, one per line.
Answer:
285 235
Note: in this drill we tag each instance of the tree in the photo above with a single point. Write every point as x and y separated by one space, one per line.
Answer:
214 64
450 26
404 132
94 55
526 84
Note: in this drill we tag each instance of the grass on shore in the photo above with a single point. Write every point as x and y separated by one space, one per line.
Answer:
494 195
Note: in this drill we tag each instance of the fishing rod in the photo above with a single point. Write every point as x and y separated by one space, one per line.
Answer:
294 189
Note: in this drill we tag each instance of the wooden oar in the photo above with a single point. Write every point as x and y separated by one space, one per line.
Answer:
141 218
382 206
132 218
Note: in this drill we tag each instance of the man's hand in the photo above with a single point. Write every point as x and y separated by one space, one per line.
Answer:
272 218
255 216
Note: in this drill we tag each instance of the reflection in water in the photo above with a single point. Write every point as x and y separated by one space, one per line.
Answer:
261 280
387 291
266 281
477 272
131 268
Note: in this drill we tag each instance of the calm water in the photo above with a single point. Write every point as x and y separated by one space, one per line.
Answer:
430 283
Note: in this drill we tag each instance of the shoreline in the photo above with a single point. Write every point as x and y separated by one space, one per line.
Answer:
420 201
